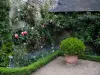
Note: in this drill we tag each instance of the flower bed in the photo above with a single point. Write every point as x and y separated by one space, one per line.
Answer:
36 65
28 69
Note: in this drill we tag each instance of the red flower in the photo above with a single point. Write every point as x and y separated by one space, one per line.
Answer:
16 36
25 33
22 33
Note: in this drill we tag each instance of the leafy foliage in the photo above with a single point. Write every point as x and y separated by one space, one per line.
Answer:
4 20
5 33
85 26
28 14
29 69
5 51
33 67
32 38
72 46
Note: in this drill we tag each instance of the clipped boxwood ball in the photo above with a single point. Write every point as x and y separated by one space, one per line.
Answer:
72 46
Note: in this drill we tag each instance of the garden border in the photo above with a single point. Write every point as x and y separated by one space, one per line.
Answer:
90 57
86 57
34 66
29 69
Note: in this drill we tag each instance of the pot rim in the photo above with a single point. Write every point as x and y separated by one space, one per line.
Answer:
71 55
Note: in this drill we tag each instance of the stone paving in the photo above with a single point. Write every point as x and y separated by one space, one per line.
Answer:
59 67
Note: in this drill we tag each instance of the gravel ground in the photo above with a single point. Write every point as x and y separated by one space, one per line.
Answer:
59 67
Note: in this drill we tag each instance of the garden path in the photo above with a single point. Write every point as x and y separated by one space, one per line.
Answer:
58 67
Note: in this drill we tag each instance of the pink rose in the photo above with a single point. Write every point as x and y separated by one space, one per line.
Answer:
16 36
22 33
25 32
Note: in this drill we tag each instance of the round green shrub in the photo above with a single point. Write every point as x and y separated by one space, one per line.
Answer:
72 46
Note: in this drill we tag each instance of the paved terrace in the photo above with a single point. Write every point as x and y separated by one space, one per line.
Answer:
58 67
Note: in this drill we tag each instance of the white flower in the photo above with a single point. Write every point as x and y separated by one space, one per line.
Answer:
53 51
10 57
18 9
52 47
24 43
41 46
16 18
23 26
34 57
29 7
32 27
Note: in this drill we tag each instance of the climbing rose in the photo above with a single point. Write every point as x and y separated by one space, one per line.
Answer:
16 36
25 33
22 33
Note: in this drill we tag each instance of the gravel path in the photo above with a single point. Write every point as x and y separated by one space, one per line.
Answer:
58 67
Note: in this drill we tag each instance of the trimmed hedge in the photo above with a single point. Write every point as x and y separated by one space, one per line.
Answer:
28 69
33 67
86 57
72 46
91 58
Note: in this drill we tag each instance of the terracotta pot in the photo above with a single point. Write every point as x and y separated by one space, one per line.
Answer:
71 59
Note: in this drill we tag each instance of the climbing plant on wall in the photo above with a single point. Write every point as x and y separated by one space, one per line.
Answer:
85 26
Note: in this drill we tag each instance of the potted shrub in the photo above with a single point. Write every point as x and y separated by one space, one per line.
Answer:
72 48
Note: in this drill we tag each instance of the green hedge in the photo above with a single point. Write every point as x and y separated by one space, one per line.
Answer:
91 58
33 67
86 57
28 69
